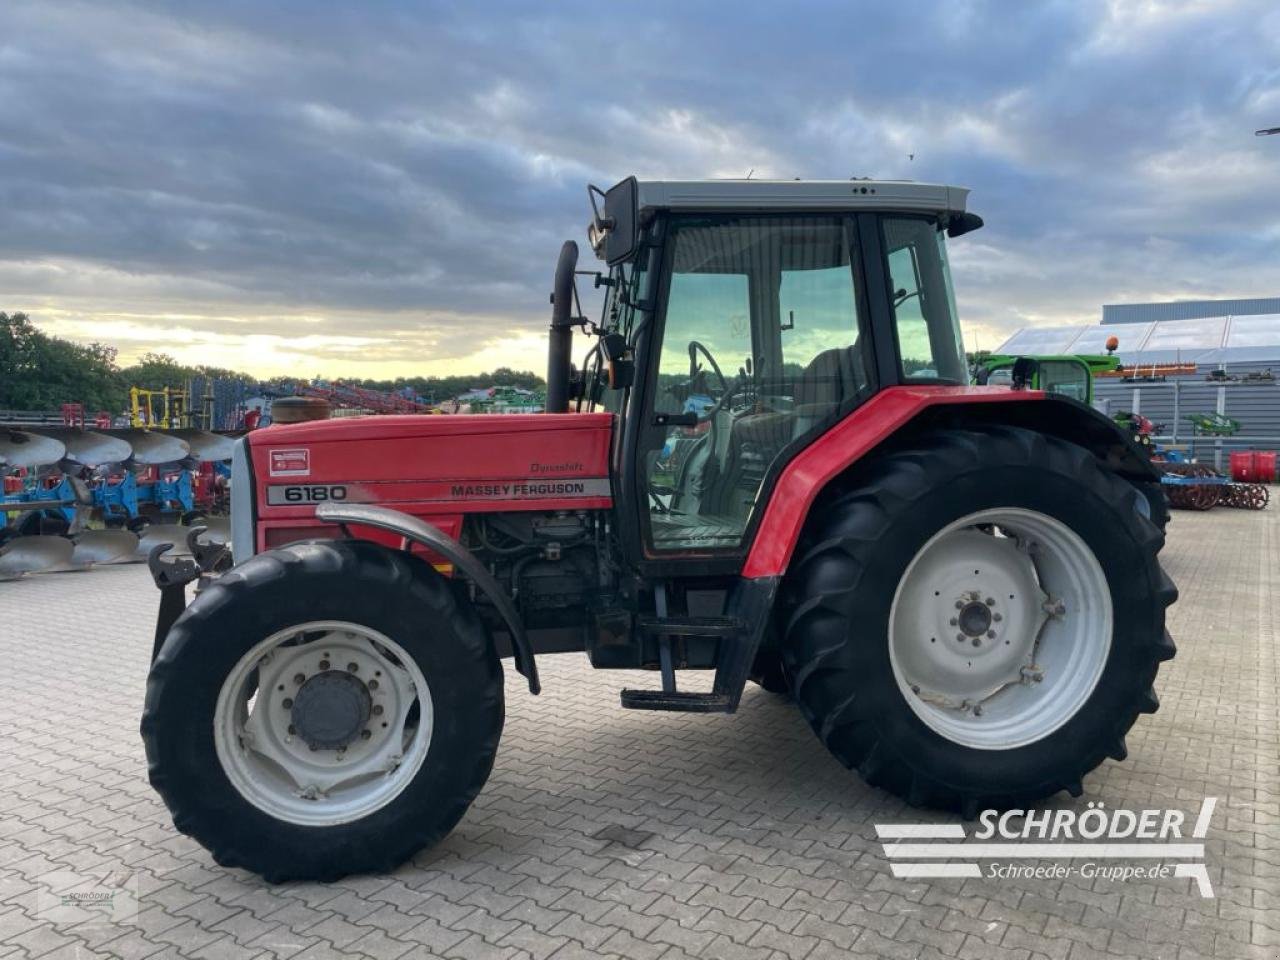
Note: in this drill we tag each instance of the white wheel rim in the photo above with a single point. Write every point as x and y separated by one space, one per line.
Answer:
272 764
1000 628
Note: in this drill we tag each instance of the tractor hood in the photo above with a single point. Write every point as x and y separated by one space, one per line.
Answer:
438 468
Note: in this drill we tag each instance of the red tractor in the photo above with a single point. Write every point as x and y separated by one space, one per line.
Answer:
770 466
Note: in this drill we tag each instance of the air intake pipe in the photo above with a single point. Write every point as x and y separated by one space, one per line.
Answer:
560 348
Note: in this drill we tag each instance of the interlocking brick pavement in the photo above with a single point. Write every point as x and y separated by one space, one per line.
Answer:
604 832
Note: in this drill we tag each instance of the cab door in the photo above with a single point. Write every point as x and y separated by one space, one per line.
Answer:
758 346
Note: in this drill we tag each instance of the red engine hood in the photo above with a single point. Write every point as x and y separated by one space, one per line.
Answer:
434 467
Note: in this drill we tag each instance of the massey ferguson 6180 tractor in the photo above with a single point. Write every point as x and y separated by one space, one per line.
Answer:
770 465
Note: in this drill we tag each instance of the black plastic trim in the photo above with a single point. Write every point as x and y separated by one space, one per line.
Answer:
884 337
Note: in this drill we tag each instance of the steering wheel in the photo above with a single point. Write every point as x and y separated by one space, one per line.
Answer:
696 347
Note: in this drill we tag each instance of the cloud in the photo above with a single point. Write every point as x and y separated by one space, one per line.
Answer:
396 179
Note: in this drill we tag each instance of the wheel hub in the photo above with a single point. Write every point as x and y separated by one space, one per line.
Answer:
975 618
331 709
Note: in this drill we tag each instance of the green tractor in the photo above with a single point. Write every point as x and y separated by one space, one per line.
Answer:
1069 375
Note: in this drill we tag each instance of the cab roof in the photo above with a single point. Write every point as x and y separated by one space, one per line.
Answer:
699 195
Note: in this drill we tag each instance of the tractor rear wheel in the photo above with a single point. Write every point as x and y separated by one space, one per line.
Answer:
1154 504
977 620
325 708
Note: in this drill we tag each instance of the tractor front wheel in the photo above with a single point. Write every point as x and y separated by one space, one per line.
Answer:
978 620
323 709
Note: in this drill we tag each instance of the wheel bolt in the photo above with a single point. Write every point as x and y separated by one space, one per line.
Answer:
996 617
373 684
292 729
287 703
960 637
959 604
954 621
366 734
352 667
324 664
990 601
991 634
299 677
977 642
377 709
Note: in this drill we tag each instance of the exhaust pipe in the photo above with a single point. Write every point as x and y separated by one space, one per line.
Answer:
560 348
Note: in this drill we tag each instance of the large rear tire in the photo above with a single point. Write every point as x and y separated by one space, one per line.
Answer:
978 620
323 709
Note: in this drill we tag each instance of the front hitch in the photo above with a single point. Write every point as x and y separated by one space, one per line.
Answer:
172 574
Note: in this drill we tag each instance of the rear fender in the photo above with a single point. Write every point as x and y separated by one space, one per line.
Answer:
894 416
418 531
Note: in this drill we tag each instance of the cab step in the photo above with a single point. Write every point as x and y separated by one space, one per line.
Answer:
690 626
677 700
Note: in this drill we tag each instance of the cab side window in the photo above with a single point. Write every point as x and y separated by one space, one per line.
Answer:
925 321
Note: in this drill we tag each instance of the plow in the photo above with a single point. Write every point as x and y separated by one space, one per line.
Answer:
74 498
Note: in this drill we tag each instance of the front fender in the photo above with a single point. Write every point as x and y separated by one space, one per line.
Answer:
418 531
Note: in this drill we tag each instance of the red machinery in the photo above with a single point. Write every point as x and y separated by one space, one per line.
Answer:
348 395
958 585
1253 466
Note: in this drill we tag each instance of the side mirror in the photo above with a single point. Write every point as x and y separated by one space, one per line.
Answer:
962 223
614 232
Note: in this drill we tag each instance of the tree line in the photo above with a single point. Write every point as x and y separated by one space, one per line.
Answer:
42 372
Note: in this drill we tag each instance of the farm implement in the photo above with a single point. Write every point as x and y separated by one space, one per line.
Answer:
1195 486
56 480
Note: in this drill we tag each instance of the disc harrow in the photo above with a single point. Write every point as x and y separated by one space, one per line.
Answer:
1195 486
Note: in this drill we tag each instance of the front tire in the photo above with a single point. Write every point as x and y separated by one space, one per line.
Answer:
325 708
940 581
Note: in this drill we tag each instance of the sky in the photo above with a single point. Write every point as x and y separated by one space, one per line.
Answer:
380 189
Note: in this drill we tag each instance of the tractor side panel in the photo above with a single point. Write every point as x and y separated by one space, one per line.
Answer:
437 468
838 449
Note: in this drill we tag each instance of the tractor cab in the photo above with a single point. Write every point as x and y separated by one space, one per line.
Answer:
746 318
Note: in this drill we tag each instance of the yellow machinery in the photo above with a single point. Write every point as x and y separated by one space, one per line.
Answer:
164 409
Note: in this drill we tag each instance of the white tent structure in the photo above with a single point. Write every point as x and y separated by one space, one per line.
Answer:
1208 342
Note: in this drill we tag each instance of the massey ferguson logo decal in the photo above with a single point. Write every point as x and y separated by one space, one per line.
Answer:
290 463
522 489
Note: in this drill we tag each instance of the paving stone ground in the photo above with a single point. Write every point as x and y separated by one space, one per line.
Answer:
604 832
